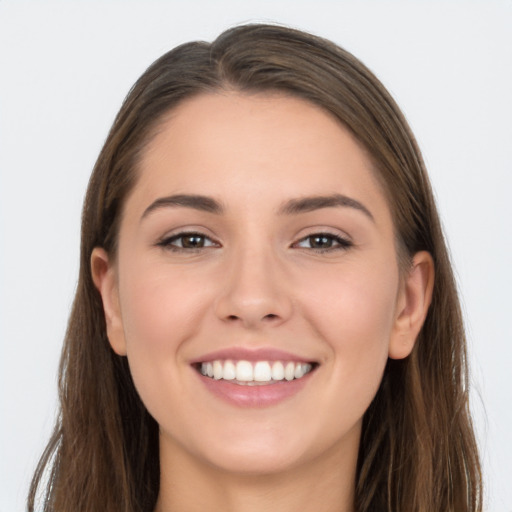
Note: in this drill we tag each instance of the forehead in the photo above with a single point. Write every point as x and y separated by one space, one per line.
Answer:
243 147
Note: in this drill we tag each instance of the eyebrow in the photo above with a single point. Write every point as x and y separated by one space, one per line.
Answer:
291 207
197 202
309 204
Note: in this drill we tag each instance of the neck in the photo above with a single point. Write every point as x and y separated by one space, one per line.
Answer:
326 484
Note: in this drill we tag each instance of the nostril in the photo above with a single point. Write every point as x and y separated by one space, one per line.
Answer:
270 316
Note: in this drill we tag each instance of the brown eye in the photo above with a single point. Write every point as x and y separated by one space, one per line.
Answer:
187 241
324 242
320 242
192 241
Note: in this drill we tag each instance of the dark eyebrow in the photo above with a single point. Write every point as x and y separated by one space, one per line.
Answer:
291 207
309 204
197 202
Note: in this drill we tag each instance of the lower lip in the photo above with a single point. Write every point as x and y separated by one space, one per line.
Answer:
264 395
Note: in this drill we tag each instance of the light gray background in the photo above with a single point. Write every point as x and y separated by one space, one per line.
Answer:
64 70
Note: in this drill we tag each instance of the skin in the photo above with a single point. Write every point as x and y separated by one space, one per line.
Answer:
258 282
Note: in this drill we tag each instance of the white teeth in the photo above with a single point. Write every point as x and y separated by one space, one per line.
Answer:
244 371
258 372
262 372
299 371
229 371
289 371
278 371
217 370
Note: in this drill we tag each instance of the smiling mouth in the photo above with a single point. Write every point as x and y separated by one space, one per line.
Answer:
254 373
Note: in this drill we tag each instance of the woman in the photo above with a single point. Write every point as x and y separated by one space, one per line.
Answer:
266 315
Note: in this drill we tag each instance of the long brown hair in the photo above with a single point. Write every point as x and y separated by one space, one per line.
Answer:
417 451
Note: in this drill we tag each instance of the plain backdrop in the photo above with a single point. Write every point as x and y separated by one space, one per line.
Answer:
64 70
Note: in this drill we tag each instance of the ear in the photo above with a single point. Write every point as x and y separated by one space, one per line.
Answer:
412 305
104 277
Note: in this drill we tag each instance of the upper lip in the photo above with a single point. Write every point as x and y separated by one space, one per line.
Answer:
246 354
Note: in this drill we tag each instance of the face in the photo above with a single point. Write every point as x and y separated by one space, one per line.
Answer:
256 247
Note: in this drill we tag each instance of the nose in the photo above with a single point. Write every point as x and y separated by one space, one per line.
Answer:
255 291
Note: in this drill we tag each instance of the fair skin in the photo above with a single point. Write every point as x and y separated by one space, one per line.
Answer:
263 271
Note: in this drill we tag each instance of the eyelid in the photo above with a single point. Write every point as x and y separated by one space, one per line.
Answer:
343 241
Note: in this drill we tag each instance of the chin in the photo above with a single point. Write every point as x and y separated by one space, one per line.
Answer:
253 462
263 449
240 449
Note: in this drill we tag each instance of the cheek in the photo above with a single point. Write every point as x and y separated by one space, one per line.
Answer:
354 305
160 305
161 313
354 314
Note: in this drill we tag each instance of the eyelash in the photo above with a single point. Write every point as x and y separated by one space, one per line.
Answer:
342 243
167 243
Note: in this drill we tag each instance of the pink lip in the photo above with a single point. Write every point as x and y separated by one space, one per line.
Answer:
245 354
254 396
